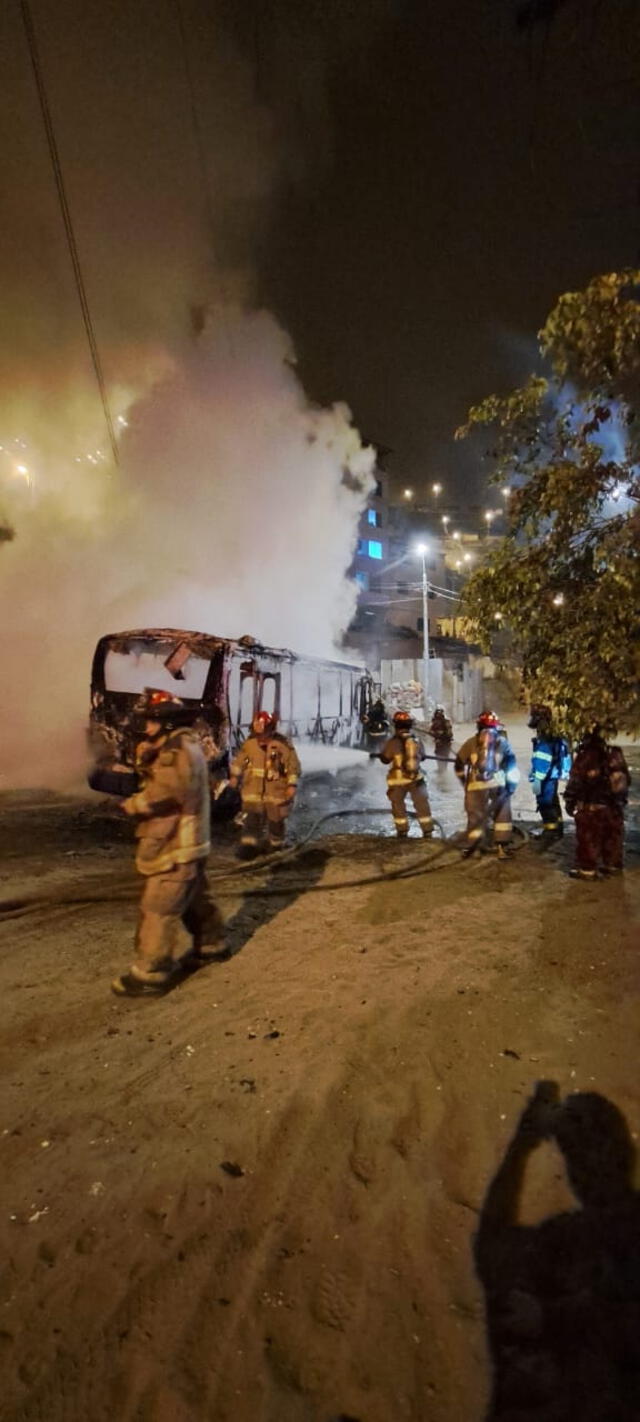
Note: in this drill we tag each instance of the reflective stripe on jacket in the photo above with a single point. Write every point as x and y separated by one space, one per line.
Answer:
403 754
550 759
172 808
478 771
267 772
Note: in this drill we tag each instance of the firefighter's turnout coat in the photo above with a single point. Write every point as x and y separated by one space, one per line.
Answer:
550 763
172 830
486 766
596 793
172 808
403 755
441 729
268 771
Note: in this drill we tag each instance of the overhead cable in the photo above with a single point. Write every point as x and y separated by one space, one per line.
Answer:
68 225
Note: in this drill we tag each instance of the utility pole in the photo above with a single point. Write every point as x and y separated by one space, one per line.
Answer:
422 549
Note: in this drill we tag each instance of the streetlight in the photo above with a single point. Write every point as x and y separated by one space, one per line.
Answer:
436 489
489 517
506 492
456 535
407 494
445 521
423 549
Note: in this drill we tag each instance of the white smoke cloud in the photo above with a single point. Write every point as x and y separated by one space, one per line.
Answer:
230 514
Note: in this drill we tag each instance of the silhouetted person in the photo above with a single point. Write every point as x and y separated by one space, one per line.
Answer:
563 1297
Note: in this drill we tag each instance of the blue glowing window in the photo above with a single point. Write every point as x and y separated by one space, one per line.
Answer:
362 547
375 549
362 580
373 517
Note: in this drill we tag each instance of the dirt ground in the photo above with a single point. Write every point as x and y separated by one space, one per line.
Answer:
256 1199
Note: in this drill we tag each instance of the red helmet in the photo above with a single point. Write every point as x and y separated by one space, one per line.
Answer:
161 706
160 698
488 721
264 723
402 721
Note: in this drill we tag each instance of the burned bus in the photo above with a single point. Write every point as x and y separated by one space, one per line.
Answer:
227 682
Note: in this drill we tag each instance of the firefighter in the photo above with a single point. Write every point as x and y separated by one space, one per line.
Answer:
403 753
171 811
486 766
268 769
550 763
375 720
596 793
442 732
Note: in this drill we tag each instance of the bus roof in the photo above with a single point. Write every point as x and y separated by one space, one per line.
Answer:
204 644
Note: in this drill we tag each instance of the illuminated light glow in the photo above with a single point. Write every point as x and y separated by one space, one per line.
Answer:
506 492
445 520
466 557
498 616
22 469
408 494
558 600
436 489
422 548
455 535
458 563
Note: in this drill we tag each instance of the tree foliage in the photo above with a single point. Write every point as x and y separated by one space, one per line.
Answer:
566 579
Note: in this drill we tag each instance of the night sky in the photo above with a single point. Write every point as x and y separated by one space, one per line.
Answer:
476 170
408 184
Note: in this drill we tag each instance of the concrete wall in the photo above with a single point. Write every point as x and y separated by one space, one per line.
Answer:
459 686
464 691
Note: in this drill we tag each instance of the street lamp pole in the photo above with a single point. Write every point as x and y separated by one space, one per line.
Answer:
423 550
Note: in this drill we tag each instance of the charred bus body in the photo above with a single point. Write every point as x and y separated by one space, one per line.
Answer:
227 682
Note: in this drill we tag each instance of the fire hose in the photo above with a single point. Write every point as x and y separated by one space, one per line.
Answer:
423 866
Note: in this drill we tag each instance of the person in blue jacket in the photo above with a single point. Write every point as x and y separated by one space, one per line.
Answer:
550 763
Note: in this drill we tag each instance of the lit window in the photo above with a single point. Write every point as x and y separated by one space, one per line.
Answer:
373 517
362 547
362 580
375 549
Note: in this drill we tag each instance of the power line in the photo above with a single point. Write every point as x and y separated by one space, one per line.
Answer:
68 225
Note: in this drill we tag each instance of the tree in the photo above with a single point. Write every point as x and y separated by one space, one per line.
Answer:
566 579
